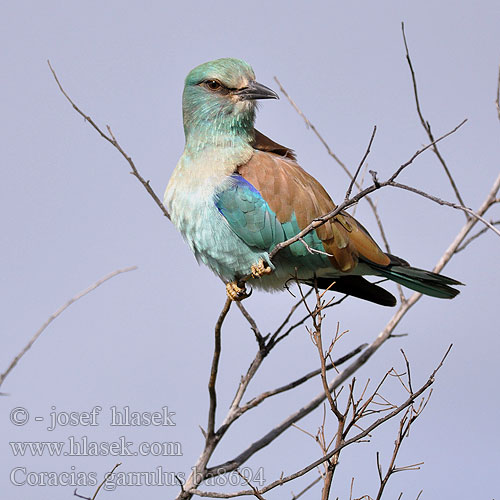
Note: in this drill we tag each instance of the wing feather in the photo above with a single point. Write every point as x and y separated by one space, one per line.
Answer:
290 192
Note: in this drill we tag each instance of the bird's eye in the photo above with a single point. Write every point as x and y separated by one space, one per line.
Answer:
213 84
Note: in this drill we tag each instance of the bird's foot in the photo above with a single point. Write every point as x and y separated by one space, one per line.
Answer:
236 292
260 269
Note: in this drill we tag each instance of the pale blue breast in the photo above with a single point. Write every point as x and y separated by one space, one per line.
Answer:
190 200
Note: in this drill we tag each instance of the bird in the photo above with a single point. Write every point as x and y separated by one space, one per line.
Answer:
235 194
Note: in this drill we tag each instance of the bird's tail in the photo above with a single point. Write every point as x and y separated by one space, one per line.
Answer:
426 282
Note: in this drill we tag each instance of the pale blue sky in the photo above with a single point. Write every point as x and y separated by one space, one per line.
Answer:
72 213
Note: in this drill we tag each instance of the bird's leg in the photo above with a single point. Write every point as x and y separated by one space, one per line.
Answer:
260 269
237 291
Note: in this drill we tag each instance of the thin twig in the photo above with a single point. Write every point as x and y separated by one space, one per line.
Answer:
405 423
253 325
468 241
426 124
497 100
106 477
112 140
356 173
306 489
59 311
313 250
328 456
211 438
342 165
338 362
318 341
375 186
256 493
289 315
446 203
306 317
213 371
331 464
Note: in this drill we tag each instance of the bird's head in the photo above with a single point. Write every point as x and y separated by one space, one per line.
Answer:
221 96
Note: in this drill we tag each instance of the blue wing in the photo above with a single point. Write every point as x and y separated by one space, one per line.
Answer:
251 218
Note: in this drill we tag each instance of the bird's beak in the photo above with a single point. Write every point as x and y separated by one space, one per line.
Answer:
256 90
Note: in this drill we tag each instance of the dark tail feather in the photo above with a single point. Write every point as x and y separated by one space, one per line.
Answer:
426 282
357 286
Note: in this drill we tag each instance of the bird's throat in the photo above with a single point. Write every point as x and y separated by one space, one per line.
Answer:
220 126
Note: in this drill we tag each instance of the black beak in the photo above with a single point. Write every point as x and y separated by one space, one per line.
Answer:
256 90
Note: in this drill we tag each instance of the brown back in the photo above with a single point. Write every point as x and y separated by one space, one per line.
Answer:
288 189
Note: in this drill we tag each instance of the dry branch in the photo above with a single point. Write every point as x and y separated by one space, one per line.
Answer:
112 140
360 166
279 482
475 236
427 125
57 313
375 186
497 100
342 165
213 371
106 477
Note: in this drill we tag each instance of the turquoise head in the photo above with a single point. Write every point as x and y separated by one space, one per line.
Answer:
219 99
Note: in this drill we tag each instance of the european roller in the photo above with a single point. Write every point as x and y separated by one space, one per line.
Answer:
235 194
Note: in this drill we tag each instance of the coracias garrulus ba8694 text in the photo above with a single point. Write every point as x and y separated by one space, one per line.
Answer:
235 194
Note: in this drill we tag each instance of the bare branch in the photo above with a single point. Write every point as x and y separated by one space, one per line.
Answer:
261 397
289 315
468 241
405 423
356 173
256 493
53 316
425 148
411 399
377 185
316 337
426 124
407 371
253 325
112 140
213 371
211 438
318 341
342 165
307 488
106 477
235 411
313 250
487 203
446 203
497 100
